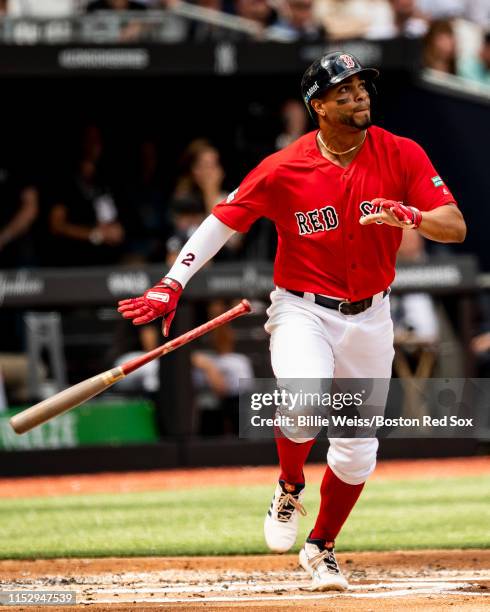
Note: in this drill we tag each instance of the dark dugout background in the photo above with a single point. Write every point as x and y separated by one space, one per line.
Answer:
44 118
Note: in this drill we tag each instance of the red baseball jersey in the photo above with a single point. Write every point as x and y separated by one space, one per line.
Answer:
316 206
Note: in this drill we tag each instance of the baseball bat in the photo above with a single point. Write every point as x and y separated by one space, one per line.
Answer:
83 391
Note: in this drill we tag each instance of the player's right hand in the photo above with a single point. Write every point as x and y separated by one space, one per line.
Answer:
159 301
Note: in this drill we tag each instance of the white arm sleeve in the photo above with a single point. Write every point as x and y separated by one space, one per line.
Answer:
204 243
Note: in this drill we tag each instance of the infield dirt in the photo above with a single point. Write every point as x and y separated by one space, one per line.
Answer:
416 580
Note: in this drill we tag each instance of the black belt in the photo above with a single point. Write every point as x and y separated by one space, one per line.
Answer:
343 306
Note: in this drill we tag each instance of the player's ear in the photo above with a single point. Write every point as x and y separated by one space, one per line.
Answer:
317 106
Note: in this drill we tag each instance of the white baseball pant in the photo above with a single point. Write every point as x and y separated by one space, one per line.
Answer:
311 341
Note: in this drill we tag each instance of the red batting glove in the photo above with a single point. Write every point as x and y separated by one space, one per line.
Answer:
159 301
409 215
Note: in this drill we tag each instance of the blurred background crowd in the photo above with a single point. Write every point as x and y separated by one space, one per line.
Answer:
111 173
454 32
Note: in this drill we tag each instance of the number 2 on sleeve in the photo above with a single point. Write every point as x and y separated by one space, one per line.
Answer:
188 259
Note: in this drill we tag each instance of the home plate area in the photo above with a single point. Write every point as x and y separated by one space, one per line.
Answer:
274 587
405 580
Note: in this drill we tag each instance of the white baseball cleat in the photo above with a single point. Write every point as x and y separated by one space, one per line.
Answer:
322 566
281 520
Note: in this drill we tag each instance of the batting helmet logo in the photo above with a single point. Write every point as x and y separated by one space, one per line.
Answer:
347 60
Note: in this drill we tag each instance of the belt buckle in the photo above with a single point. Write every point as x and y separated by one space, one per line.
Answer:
341 304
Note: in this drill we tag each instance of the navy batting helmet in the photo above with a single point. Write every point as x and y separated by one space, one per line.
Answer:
330 70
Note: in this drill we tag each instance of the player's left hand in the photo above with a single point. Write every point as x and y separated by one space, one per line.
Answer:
393 213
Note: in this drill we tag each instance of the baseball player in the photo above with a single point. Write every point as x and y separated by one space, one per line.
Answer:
341 197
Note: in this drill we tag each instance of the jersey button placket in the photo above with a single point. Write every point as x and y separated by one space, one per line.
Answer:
350 236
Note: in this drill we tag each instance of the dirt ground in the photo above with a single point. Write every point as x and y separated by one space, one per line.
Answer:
402 580
422 580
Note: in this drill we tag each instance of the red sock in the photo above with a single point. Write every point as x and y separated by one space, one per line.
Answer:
337 500
292 457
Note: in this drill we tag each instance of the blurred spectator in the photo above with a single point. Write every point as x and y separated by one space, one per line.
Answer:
85 221
217 375
203 31
115 5
216 5
298 22
414 314
404 19
478 68
187 214
3 7
131 342
199 188
474 10
19 211
440 47
130 30
347 19
19 215
146 215
295 123
202 175
480 344
259 11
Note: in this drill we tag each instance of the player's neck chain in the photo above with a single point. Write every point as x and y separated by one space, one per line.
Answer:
342 152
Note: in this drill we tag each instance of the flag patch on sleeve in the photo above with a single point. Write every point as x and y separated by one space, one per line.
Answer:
437 180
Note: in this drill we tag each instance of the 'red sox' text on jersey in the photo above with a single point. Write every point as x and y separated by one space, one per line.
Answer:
316 206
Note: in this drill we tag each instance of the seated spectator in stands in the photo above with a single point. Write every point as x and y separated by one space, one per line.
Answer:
201 175
199 188
187 214
85 221
217 373
404 19
480 344
146 214
19 211
130 342
215 5
200 30
477 11
115 5
478 68
19 215
440 47
297 22
414 315
295 123
130 30
259 11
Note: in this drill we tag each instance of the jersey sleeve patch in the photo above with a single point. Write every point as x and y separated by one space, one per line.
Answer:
232 195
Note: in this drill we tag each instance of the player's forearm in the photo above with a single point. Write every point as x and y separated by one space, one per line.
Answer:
202 246
443 224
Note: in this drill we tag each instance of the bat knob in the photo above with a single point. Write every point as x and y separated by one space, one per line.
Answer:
246 306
